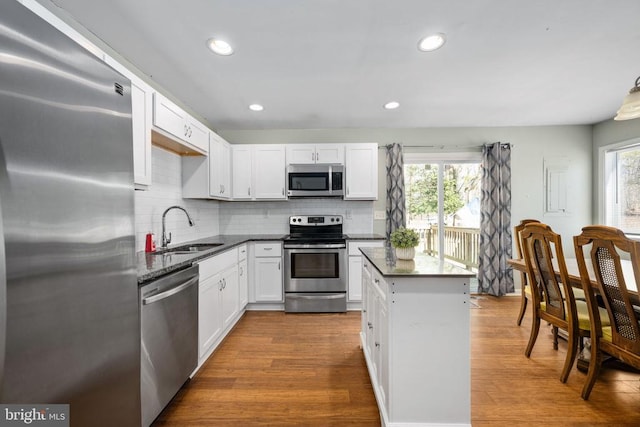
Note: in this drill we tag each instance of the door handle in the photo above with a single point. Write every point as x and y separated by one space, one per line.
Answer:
338 296
170 292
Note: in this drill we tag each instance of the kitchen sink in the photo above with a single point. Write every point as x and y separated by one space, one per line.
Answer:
190 249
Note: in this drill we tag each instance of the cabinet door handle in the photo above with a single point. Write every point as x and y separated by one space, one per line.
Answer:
248 191
190 131
370 325
224 283
377 344
241 271
317 157
220 285
313 157
278 265
283 191
185 130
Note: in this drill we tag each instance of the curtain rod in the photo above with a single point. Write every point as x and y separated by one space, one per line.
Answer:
442 146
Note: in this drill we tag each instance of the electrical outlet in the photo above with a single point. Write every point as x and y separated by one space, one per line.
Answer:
379 215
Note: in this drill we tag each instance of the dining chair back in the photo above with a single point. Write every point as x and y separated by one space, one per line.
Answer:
551 292
524 281
607 247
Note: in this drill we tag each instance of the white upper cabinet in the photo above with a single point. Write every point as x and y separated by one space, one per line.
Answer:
241 173
219 168
141 118
361 169
177 125
208 177
310 153
269 172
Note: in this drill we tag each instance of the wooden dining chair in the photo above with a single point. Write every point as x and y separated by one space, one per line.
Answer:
551 292
525 288
621 337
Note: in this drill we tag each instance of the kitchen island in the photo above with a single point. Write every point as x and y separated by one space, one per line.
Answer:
415 338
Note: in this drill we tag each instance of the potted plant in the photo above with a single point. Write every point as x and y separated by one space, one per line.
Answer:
404 240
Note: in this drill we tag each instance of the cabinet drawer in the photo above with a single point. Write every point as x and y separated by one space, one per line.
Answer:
379 285
242 253
356 245
214 265
272 249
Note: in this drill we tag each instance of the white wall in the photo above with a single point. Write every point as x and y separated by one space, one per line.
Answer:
608 133
531 146
166 190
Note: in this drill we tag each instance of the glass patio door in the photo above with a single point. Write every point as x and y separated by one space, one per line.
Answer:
442 197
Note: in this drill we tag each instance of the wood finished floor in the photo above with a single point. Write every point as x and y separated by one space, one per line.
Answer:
279 369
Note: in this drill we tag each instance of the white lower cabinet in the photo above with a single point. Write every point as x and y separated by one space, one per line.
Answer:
267 273
219 300
354 292
376 329
243 277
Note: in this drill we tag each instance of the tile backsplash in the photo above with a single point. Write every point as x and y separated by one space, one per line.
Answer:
273 217
212 217
165 191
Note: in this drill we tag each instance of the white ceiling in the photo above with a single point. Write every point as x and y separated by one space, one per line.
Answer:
334 63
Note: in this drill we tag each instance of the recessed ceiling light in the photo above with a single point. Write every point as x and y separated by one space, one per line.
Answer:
256 107
432 42
392 105
220 47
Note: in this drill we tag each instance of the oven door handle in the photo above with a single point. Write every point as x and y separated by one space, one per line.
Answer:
315 246
335 296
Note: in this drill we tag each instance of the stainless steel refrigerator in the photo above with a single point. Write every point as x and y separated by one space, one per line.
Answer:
69 317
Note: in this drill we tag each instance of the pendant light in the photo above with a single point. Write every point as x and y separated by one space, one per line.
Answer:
631 105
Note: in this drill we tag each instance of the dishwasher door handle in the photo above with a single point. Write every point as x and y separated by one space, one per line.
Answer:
170 292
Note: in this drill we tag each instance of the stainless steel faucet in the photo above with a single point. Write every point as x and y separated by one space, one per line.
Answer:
166 240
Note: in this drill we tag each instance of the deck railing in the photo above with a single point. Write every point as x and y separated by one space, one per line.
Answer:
461 244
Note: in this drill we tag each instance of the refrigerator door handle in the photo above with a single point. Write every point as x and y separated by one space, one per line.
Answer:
3 301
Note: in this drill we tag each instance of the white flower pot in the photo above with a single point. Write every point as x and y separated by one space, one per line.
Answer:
405 253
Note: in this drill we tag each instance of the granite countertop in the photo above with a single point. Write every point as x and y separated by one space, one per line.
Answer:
384 260
157 264
367 236
153 265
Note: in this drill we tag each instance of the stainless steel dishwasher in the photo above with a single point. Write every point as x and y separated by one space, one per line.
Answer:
169 338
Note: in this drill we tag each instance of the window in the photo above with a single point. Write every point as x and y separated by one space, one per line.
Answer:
622 188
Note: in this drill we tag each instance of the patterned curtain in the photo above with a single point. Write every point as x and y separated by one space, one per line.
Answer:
494 276
395 188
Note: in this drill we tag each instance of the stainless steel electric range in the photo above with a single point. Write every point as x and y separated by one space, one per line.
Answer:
315 276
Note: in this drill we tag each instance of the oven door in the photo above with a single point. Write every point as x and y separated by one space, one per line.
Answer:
315 268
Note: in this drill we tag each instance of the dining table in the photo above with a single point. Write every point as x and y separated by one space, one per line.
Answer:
519 264
582 363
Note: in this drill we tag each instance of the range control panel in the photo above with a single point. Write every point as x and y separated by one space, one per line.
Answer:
315 220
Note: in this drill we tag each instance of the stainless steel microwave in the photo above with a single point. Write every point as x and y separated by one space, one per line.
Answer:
315 180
